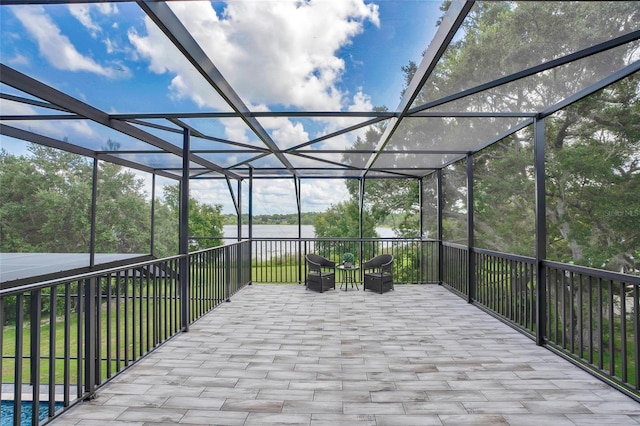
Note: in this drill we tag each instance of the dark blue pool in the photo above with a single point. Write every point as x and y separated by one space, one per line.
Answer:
27 407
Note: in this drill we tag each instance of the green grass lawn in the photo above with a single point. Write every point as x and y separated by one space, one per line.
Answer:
116 326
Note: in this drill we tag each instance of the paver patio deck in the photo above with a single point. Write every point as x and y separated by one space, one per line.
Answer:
419 355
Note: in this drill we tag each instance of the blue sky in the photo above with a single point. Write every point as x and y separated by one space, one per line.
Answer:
278 55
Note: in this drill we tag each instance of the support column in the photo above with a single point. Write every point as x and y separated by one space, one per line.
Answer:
90 307
184 232
421 256
298 184
471 264
250 224
236 200
239 258
94 203
541 229
440 233
361 182
360 206
153 214
250 202
420 203
239 211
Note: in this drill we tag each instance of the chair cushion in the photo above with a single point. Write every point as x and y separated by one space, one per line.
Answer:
377 274
321 274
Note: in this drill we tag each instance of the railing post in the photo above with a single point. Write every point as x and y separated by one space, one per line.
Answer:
34 353
19 347
227 273
239 264
541 229
1 337
90 326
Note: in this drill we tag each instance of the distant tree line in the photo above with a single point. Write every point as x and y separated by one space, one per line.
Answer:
272 219
308 218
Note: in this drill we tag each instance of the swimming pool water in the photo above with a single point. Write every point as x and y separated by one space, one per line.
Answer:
27 406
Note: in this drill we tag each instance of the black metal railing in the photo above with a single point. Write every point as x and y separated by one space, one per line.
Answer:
282 260
590 316
455 261
594 316
506 284
69 336
64 338
217 274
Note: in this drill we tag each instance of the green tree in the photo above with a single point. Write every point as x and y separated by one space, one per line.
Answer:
594 170
19 222
45 205
166 232
504 196
205 221
592 146
123 214
342 221
45 201
385 197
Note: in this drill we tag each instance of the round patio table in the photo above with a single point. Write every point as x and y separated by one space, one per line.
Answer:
348 276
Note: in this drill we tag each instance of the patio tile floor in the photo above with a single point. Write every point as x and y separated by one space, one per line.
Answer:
419 355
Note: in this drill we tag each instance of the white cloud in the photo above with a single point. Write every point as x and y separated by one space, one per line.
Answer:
287 133
212 192
359 102
55 129
272 53
18 60
55 46
106 8
283 131
164 57
273 196
320 194
109 45
288 48
236 130
82 12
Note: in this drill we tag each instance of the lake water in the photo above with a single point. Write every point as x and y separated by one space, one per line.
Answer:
266 250
285 231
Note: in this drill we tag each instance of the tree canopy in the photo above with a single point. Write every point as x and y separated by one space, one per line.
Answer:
45 206
592 146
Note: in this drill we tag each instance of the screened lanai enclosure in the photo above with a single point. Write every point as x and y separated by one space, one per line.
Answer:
501 138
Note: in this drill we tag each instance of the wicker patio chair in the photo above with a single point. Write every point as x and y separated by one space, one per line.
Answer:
322 273
378 273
